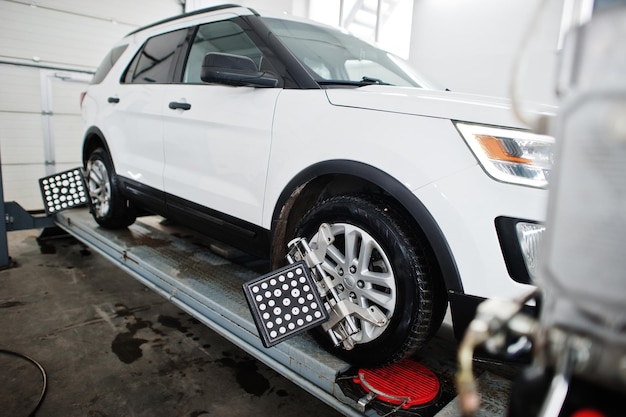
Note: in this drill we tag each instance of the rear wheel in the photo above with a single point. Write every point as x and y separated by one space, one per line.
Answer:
376 260
109 208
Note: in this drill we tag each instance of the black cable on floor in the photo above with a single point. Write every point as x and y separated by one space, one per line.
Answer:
43 376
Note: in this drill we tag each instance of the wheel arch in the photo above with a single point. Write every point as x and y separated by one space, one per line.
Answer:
94 138
335 177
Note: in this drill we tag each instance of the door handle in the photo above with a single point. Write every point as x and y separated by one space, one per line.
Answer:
174 105
113 99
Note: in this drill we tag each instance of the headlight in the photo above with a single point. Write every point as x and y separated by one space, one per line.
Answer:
509 155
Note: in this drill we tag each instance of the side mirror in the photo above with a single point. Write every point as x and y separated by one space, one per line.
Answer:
238 70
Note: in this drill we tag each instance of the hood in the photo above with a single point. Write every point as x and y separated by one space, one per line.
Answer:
434 103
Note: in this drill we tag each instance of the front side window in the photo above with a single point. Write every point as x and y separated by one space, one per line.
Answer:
224 36
154 62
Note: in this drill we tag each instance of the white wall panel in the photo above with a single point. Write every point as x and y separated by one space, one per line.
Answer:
20 115
66 94
134 12
470 46
68 139
20 138
55 37
21 184
295 7
70 34
19 89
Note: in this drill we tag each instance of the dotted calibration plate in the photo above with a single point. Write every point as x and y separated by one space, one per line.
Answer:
63 190
284 303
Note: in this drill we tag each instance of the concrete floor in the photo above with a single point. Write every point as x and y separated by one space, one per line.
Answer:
111 347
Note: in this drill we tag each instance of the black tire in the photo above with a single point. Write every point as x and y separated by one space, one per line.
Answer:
108 207
405 295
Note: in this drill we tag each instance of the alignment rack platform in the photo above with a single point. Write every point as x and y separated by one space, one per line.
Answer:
209 288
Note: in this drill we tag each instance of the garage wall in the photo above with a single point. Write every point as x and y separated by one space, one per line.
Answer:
48 53
294 7
471 46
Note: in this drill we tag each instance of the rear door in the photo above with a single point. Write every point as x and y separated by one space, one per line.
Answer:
135 125
217 138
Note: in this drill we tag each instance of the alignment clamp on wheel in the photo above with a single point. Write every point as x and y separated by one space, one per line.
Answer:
343 312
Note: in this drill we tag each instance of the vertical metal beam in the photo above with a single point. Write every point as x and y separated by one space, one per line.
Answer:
4 247
47 121
341 13
379 19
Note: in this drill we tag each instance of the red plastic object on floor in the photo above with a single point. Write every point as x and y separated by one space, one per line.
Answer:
587 413
406 383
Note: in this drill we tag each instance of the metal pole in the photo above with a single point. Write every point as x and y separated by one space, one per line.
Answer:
4 247
341 13
379 18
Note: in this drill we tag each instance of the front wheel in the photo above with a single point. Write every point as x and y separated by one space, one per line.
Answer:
109 208
376 260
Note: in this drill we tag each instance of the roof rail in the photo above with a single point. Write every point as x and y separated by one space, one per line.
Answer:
195 12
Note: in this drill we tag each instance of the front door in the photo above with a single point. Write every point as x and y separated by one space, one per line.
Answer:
217 138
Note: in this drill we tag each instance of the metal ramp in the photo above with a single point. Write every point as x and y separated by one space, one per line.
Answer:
209 288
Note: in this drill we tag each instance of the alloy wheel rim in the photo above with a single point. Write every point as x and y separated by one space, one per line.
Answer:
99 188
361 271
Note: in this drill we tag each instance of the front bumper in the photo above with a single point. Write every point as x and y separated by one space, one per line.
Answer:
477 217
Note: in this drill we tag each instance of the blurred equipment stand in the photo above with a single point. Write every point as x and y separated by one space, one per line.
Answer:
16 218
579 340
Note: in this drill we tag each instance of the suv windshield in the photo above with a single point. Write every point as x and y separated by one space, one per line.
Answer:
335 57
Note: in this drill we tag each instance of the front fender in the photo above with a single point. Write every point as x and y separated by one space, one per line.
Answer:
364 173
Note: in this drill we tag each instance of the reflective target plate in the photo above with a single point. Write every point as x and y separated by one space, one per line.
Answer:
63 190
284 303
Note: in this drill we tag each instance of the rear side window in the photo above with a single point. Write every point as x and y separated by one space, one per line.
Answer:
155 60
107 63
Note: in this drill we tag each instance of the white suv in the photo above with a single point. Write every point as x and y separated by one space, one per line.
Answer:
257 129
